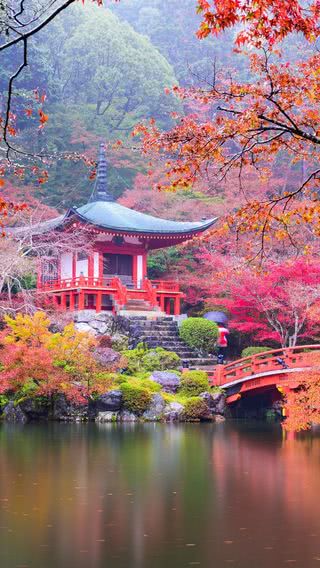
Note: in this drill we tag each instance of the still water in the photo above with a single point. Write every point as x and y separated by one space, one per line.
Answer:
158 496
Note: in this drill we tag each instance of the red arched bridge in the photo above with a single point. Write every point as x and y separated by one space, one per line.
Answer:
275 368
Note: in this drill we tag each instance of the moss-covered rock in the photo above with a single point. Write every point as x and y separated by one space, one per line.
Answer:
196 409
193 383
136 399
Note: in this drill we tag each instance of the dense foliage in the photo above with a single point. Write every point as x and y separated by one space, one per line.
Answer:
199 333
195 409
254 350
143 359
135 398
35 361
193 383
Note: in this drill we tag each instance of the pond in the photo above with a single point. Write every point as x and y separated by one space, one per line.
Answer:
158 496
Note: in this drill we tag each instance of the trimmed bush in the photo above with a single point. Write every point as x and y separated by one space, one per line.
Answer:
254 350
135 398
160 359
196 409
193 383
199 333
141 359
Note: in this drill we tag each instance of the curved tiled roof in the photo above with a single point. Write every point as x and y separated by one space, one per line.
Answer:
116 217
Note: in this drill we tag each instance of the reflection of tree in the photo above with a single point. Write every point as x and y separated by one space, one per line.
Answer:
137 495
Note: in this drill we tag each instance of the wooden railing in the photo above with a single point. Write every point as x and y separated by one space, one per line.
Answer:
166 285
121 292
150 292
268 361
78 282
105 282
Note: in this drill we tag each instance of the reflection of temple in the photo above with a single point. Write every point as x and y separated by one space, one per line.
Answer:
114 275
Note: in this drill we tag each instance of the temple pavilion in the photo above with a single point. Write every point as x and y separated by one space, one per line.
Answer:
113 275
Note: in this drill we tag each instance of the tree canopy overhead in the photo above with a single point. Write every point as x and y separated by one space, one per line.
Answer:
239 121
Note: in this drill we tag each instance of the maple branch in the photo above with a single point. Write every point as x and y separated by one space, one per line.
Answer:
35 30
10 88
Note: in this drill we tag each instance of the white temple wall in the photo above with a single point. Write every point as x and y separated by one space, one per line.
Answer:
139 269
82 267
96 265
66 265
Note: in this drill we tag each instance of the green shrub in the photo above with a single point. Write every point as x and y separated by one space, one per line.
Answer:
254 350
193 383
119 379
150 385
199 333
160 359
3 400
141 359
196 409
135 398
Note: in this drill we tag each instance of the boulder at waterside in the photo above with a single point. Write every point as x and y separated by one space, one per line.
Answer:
110 401
14 413
109 416
173 412
216 401
126 416
155 410
169 381
66 411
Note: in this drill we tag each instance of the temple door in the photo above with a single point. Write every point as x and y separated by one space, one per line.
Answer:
120 265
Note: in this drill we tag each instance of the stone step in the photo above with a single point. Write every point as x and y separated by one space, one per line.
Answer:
152 326
138 316
163 335
198 362
144 321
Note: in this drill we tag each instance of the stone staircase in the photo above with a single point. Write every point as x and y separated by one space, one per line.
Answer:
163 332
139 307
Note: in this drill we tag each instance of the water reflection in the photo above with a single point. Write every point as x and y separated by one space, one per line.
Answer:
143 496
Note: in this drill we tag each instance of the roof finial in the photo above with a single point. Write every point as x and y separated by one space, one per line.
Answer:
100 190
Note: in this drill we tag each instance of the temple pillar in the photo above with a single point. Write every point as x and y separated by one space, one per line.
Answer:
74 267
81 300
63 304
71 301
144 265
162 302
177 306
135 271
90 269
168 307
98 301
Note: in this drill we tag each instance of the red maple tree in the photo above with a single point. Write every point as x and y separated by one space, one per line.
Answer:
274 305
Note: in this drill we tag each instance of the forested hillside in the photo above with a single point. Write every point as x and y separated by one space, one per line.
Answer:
99 77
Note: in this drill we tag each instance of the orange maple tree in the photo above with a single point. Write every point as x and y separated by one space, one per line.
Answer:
274 112
303 403
260 20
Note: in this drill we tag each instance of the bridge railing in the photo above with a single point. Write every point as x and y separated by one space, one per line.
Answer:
275 359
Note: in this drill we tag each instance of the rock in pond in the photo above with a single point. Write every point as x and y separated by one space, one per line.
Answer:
65 411
126 416
219 418
14 413
155 410
169 381
173 412
107 417
111 400
216 401
34 409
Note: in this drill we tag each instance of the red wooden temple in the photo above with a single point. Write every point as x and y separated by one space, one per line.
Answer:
113 276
